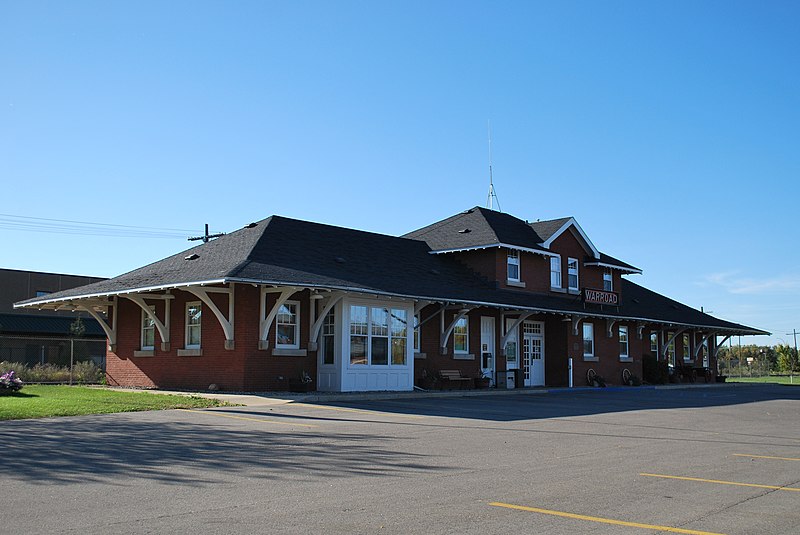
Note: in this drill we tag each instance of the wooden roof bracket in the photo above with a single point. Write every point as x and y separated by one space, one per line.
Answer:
517 322
610 322
447 332
313 339
702 342
163 328
110 330
225 323
719 345
639 328
285 294
668 342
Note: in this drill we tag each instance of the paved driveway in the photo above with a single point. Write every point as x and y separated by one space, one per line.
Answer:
721 460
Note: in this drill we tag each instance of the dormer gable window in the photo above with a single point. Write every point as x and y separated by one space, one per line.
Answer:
513 265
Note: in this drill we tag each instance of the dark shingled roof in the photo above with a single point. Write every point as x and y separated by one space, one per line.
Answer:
478 227
285 251
46 325
546 229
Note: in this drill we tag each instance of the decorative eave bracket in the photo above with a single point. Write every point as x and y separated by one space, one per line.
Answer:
226 323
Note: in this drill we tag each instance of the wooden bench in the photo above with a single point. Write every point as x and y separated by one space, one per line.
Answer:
452 379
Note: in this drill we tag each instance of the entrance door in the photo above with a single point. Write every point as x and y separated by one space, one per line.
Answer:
487 347
533 353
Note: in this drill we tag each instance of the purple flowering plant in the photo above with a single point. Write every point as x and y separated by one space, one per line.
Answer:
10 383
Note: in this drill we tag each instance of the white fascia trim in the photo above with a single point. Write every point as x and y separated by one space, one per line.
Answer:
612 266
120 292
493 245
571 222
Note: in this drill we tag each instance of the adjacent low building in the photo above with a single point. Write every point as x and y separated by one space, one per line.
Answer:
481 292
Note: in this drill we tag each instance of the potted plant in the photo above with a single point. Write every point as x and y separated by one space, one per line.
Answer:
10 383
482 381
302 384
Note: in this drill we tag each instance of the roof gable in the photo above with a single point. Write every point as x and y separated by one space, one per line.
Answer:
566 224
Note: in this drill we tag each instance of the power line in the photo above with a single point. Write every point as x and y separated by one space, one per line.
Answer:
86 228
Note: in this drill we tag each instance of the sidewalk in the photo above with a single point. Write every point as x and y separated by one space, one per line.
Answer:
279 398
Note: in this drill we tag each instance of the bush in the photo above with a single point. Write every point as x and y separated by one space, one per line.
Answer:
82 373
654 371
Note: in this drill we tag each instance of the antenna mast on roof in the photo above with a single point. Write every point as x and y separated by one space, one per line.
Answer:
206 237
491 199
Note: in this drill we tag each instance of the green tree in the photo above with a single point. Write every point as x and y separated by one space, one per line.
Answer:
787 360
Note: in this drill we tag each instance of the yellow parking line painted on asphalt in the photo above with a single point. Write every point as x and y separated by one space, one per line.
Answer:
735 483
765 457
360 411
602 520
261 420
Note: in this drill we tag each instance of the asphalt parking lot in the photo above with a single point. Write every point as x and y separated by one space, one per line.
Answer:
705 460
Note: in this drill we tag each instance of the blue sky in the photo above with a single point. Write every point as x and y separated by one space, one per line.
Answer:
670 130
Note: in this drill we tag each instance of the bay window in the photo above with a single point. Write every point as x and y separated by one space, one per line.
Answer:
378 336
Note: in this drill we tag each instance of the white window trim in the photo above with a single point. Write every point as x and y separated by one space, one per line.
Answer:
416 333
554 259
687 347
608 276
409 358
186 343
577 274
651 343
583 339
152 327
464 351
627 353
296 345
330 317
513 259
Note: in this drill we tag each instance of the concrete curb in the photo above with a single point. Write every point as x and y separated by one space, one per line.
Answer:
277 398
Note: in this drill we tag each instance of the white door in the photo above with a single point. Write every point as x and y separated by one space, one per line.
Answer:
533 353
487 347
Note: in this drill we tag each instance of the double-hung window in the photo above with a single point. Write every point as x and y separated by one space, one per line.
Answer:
461 336
513 265
687 347
148 331
588 339
287 326
608 281
555 272
572 273
329 338
654 343
671 348
416 333
378 336
194 312
623 342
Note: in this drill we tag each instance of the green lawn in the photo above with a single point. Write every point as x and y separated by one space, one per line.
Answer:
41 401
776 379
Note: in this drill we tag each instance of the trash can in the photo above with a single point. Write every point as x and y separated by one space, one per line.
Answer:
505 379
519 379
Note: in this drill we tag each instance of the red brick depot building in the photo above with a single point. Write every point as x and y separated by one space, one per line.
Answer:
481 292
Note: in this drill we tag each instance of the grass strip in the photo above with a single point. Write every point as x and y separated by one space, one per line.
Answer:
44 401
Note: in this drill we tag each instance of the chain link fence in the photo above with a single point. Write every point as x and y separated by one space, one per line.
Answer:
53 359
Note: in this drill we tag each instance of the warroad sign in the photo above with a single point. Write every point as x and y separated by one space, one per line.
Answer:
600 297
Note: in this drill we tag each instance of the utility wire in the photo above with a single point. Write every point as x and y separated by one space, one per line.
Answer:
85 228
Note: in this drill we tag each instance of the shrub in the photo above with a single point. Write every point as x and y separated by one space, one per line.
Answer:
82 373
654 371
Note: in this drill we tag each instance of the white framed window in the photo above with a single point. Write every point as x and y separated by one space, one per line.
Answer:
654 343
588 339
287 326
513 265
687 347
608 281
329 338
623 342
416 333
148 331
555 272
671 348
461 336
378 336
194 312
572 273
